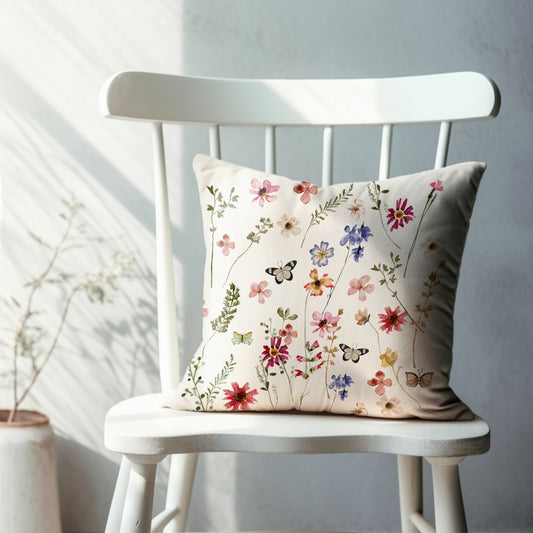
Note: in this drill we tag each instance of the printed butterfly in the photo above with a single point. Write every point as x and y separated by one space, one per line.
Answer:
282 273
352 354
242 338
424 380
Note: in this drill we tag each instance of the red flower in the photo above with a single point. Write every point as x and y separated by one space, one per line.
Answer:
437 185
239 397
392 319
380 382
275 354
401 215
307 189
288 333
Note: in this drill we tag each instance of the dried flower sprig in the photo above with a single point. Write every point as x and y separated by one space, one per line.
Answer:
28 336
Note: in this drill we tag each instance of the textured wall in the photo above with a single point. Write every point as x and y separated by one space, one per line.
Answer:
55 54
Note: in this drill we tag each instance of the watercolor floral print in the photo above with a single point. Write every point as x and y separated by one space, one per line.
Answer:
329 299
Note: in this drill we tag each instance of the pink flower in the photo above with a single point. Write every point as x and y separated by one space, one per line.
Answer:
325 323
403 214
226 244
260 290
289 226
275 354
389 407
360 286
392 319
306 190
380 382
263 191
205 311
287 333
437 185
239 397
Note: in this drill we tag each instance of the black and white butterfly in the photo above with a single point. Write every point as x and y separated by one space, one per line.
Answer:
352 354
282 273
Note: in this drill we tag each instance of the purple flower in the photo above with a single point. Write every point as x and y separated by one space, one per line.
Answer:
320 253
364 233
351 237
341 384
357 253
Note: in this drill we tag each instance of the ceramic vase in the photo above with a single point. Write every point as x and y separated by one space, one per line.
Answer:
29 501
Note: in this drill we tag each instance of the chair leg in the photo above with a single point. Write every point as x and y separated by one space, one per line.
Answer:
180 482
449 509
119 496
137 515
410 481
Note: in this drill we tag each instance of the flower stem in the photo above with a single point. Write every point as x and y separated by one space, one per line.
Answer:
338 278
234 262
429 203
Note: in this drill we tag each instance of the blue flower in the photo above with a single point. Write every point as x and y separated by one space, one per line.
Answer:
341 384
336 382
347 380
351 237
320 253
364 233
357 253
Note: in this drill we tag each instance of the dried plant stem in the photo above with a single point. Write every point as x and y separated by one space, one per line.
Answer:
39 369
27 313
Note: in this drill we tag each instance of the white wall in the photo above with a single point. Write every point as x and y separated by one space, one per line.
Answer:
55 54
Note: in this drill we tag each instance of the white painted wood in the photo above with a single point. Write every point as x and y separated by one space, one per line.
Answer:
140 425
411 99
144 430
385 154
214 141
443 144
410 484
422 525
163 519
449 510
166 301
327 156
137 517
180 482
114 517
270 149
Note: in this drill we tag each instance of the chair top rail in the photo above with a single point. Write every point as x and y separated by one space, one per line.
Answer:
144 96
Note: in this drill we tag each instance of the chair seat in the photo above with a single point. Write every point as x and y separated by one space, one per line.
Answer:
141 426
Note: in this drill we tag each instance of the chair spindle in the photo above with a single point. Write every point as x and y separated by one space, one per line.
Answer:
214 141
270 149
166 300
443 144
327 156
384 158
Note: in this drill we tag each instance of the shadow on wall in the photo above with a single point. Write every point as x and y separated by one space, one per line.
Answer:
82 474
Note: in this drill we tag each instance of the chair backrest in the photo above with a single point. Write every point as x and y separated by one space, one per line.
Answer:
160 98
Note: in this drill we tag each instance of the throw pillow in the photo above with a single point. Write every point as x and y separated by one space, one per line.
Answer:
337 299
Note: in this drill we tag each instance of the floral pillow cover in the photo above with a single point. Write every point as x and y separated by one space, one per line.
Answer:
336 299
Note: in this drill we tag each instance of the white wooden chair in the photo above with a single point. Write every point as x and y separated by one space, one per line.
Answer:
145 433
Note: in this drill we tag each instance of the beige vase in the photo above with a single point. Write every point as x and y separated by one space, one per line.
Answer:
29 501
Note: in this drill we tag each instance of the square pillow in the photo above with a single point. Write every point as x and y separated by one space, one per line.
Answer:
337 299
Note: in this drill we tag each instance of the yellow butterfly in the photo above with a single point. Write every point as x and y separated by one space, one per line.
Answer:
244 338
